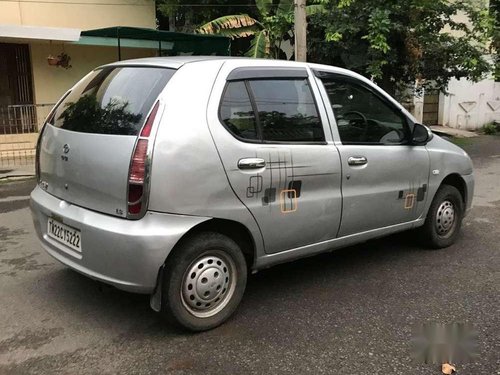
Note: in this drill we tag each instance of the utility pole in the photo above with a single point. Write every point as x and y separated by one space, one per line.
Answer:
300 30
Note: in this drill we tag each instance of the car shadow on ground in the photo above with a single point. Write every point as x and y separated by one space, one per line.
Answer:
88 299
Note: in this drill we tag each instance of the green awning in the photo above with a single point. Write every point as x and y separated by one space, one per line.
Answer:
168 42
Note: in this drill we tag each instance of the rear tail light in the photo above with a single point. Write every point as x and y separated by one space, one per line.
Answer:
39 142
146 129
138 167
37 155
137 172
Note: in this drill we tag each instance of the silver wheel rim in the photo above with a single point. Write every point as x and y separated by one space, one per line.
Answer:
445 218
208 284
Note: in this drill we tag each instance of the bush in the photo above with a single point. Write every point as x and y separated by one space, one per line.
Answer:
490 128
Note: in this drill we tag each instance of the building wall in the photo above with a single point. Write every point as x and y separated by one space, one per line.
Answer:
470 105
64 13
51 82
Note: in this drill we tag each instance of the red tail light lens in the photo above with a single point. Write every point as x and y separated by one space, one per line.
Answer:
146 130
138 166
137 172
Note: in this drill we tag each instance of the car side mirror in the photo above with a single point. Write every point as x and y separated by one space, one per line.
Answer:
421 135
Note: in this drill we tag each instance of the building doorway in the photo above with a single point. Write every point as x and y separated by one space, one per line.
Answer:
431 108
17 109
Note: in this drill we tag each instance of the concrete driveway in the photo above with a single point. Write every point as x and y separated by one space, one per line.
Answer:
347 312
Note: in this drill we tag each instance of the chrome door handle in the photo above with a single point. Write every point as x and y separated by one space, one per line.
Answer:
251 163
357 160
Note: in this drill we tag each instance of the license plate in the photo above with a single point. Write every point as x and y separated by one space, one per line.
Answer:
64 234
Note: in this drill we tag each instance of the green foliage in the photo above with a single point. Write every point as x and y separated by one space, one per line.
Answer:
259 45
490 129
234 26
495 44
268 29
396 42
271 26
186 15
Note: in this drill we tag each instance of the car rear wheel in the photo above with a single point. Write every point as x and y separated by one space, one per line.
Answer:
444 218
204 281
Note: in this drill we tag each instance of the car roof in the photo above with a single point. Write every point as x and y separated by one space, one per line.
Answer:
176 62
168 62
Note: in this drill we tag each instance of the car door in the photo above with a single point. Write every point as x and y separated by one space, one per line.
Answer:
385 177
277 151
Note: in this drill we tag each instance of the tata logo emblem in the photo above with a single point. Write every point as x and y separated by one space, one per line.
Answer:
65 150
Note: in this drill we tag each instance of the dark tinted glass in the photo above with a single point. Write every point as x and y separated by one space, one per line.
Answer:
112 100
362 116
287 111
236 111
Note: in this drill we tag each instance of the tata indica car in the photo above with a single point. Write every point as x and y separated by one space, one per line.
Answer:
176 177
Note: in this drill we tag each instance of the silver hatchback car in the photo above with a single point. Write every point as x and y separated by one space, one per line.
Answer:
175 177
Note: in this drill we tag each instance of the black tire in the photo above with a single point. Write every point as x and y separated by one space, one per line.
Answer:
437 232
197 258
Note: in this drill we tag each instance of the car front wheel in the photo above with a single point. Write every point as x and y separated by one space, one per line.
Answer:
204 281
444 218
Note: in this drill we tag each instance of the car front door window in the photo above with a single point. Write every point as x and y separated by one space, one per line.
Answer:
362 116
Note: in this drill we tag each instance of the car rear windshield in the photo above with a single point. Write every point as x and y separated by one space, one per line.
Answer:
113 100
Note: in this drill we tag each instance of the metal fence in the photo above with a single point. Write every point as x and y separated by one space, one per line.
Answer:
19 127
23 118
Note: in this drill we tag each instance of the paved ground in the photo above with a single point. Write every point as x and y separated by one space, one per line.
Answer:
348 312
18 171
459 133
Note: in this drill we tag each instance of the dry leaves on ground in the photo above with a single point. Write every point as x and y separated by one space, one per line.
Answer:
448 369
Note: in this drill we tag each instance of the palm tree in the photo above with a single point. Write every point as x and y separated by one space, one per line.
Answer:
268 33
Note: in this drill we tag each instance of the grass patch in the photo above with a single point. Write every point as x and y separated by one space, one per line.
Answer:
460 142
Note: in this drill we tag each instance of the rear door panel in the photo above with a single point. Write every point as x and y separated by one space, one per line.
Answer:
295 198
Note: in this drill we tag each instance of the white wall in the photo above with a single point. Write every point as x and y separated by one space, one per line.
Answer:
470 105
50 82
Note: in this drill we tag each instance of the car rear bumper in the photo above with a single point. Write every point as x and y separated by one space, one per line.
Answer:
124 253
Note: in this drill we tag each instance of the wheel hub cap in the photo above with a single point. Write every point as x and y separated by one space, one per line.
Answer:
445 217
208 285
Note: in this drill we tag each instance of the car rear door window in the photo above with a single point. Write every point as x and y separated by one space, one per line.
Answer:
271 110
113 100
286 110
236 111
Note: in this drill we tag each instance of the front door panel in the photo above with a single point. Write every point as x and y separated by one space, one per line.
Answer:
384 177
389 189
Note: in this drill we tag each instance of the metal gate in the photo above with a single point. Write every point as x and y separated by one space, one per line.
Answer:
17 111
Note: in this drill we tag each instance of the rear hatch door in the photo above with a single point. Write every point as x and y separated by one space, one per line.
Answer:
87 144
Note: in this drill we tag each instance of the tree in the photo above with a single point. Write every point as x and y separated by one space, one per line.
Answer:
186 15
396 42
272 26
495 45
269 29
